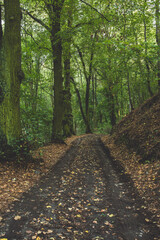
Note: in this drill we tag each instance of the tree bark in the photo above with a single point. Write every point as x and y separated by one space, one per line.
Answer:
10 107
158 40
129 92
146 52
2 82
68 117
88 81
54 11
80 104
88 76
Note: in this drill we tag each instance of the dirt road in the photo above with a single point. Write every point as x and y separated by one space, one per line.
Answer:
85 196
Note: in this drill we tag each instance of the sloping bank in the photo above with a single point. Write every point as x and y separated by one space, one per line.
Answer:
135 142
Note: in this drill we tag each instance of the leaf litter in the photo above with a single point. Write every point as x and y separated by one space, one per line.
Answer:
76 200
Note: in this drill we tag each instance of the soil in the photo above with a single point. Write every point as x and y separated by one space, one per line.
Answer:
86 195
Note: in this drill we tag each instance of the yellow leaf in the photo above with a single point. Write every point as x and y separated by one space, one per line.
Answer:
48 207
17 218
147 220
79 215
110 215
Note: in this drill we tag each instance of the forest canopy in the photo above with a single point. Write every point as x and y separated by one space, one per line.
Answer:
73 66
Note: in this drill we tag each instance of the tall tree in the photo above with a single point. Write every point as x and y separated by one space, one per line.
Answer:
1 59
68 117
146 50
158 39
2 82
54 8
10 106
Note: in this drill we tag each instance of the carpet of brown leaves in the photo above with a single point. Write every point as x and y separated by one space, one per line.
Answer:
14 180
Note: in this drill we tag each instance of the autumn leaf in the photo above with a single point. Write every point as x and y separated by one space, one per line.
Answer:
95 222
109 224
110 215
17 218
38 238
147 220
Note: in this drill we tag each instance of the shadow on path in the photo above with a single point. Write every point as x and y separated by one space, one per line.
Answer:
85 196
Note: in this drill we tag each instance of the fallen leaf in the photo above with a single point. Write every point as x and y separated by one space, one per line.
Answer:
108 224
28 231
17 218
95 222
110 215
38 238
147 220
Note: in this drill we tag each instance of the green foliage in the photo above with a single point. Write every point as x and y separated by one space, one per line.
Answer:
124 71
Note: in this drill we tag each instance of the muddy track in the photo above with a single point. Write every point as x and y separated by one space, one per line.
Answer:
85 196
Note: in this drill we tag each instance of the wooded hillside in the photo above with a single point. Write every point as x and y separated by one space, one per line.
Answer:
135 142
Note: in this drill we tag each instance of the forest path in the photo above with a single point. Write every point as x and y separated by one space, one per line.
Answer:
85 196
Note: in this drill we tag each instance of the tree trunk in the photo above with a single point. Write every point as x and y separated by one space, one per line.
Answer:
129 92
158 40
88 130
68 117
54 11
2 82
10 107
87 76
146 52
88 81
81 108
112 110
58 86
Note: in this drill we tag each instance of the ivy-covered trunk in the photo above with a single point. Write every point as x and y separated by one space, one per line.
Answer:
2 82
10 106
158 40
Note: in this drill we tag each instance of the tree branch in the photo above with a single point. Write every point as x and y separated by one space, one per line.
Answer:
82 61
37 20
79 99
95 10
30 34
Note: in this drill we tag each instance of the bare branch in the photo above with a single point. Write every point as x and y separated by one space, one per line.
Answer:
37 20
95 10
82 61
30 34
